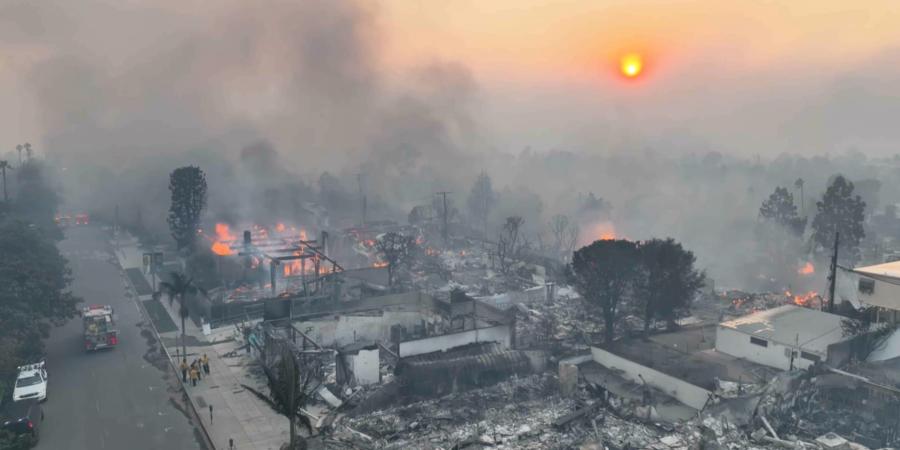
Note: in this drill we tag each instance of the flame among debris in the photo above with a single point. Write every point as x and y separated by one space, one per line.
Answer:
803 299
221 246
807 269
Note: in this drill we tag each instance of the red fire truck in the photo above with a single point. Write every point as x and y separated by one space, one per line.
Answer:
99 327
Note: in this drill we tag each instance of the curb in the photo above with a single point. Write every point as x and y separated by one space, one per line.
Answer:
174 369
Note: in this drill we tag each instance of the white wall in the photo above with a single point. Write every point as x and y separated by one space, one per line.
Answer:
500 333
885 295
347 329
737 344
684 392
365 367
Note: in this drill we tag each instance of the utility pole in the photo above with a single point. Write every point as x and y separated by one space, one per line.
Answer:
832 278
444 232
3 166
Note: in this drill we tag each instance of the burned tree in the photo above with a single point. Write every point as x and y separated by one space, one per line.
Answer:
396 250
481 200
604 273
290 389
188 188
508 242
667 280
564 233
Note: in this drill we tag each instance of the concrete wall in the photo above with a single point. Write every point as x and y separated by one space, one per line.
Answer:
689 394
365 367
500 333
737 344
347 329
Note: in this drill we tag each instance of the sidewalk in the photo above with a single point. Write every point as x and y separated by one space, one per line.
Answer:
237 414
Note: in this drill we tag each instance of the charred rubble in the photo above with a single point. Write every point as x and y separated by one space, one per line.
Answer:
459 352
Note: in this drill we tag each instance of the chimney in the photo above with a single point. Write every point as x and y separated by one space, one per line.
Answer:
323 243
551 291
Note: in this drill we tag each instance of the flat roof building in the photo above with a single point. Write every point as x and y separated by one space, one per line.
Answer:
787 337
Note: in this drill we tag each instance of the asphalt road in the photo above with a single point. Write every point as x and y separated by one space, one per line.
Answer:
123 398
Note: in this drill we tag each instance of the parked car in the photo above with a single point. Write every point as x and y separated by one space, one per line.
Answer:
22 417
31 383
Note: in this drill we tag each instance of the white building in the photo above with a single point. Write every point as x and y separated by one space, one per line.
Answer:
877 285
783 336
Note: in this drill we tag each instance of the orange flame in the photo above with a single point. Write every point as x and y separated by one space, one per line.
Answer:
802 299
221 245
601 231
380 264
807 269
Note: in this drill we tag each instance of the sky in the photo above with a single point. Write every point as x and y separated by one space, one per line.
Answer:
745 78
738 77
421 96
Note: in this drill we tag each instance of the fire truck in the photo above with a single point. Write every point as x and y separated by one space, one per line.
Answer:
99 327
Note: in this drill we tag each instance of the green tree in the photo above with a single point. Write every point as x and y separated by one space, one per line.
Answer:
780 209
481 200
668 280
290 389
36 200
188 188
604 273
396 250
34 292
177 287
840 211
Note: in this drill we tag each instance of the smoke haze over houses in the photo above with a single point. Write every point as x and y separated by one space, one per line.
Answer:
267 96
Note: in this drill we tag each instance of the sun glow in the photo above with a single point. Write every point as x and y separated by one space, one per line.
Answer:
631 65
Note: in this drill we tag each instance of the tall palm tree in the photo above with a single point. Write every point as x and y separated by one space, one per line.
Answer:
3 166
290 391
178 286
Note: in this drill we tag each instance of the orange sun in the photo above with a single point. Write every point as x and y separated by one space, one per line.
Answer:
631 65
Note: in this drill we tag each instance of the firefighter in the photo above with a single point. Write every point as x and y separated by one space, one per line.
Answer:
205 362
184 370
195 375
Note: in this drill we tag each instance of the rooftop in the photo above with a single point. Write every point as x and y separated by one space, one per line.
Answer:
891 270
792 325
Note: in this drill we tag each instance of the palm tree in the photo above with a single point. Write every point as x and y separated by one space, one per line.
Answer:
3 166
289 392
178 286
